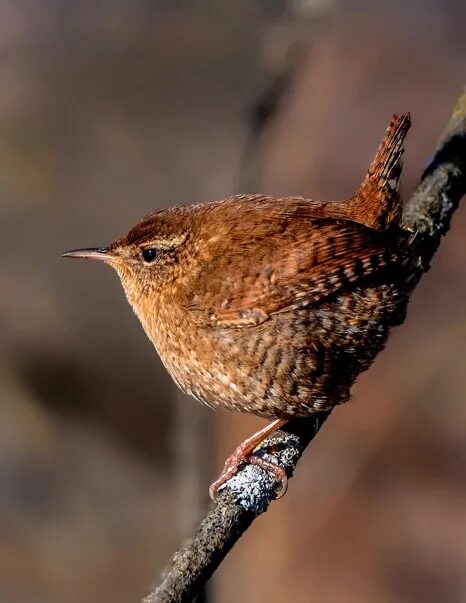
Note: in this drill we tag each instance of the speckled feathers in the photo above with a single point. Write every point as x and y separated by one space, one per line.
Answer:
273 306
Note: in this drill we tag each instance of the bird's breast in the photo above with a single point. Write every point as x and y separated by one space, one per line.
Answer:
185 350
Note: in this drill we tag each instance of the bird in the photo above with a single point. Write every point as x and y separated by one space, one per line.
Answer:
271 306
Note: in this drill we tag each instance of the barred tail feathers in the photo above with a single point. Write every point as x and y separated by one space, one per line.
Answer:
377 202
385 169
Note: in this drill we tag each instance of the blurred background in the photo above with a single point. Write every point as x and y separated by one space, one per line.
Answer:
110 110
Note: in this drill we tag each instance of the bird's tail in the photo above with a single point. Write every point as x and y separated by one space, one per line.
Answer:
377 202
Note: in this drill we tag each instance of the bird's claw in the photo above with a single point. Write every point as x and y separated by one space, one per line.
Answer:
233 464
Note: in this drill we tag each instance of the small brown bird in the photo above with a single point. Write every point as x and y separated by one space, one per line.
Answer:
270 306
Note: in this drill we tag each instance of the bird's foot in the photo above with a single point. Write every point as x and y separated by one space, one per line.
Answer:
244 454
230 469
276 470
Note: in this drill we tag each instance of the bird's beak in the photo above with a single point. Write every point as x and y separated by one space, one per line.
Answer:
91 253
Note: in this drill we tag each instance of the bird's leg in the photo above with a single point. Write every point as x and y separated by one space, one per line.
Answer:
244 454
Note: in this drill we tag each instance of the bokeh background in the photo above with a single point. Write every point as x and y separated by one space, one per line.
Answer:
109 110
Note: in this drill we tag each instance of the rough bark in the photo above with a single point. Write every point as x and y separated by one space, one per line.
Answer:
249 493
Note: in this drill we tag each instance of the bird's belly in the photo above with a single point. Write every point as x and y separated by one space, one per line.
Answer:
292 365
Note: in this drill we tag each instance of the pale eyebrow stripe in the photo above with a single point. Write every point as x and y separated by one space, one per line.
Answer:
165 243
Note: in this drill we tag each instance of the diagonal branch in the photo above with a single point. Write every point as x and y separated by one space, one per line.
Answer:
249 493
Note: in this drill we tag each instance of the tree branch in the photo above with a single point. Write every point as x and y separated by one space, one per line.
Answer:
249 493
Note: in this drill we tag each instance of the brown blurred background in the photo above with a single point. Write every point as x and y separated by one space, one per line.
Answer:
109 110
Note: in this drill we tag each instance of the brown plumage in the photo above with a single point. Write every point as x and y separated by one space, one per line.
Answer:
271 306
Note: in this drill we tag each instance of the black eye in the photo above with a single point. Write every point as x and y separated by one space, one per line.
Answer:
150 254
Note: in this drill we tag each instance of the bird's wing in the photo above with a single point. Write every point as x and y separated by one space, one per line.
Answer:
300 263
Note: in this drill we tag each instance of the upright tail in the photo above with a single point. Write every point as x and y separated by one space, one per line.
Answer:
377 202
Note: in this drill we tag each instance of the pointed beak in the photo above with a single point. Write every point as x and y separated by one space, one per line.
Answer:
91 253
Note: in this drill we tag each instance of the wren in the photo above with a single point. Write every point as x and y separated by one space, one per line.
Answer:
271 306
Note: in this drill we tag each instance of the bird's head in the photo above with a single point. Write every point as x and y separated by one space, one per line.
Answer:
148 258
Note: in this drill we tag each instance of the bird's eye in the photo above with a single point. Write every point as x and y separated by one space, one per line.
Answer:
150 254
